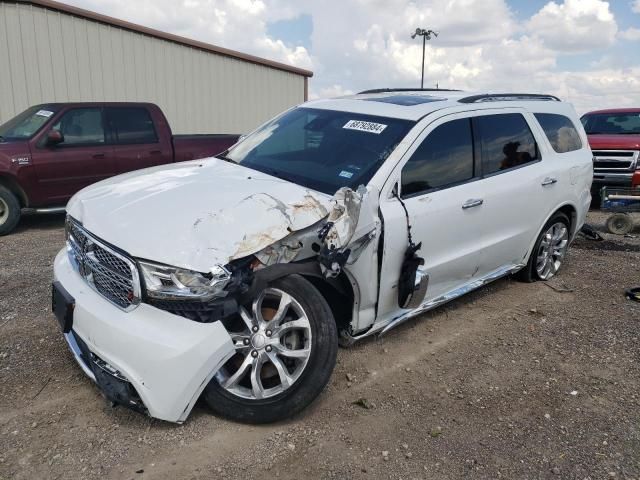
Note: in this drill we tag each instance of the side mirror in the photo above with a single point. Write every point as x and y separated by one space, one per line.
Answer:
54 137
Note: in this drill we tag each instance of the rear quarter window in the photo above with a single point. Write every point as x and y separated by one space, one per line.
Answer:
560 131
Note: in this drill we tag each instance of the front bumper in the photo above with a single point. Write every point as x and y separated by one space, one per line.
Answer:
617 179
166 359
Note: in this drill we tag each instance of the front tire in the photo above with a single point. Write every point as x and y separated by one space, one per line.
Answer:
9 211
286 346
549 250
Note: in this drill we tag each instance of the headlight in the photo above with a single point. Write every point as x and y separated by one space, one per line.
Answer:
172 283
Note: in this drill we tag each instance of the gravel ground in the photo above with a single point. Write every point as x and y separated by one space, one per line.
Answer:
516 381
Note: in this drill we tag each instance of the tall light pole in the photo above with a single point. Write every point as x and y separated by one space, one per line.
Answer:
426 35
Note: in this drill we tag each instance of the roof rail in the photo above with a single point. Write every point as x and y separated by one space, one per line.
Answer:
506 97
386 90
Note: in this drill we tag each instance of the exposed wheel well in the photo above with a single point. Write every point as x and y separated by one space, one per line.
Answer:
339 295
572 215
10 183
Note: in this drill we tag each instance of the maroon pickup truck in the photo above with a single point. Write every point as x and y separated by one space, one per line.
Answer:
614 138
51 151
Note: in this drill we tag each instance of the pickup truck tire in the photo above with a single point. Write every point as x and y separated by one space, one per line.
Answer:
9 211
285 355
549 251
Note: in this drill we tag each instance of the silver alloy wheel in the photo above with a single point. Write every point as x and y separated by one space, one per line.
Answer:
4 211
553 248
273 349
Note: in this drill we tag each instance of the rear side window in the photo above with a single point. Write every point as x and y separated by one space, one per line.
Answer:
507 142
560 131
444 158
131 125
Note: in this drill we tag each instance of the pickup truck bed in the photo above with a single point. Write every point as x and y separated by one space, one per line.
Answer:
51 151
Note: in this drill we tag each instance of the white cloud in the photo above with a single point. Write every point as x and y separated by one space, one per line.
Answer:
235 24
635 6
362 44
575 25
632 34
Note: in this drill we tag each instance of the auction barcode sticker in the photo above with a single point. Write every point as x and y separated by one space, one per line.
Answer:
361 126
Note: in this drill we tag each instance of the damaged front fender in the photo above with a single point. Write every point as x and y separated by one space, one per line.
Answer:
349 226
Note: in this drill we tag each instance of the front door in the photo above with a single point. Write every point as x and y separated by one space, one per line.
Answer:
82 158
443 197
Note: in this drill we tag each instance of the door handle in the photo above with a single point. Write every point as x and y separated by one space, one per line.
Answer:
549 181
472 202
155 152
98 155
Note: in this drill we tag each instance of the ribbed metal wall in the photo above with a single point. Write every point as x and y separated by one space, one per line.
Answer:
48 56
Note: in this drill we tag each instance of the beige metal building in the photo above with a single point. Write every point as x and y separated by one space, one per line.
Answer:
52 52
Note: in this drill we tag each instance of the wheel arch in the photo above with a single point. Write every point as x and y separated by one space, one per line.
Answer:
338 292
567 209
14 187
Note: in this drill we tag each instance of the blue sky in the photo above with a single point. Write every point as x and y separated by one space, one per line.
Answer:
587 51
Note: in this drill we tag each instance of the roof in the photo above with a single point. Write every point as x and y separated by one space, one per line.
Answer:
415 104
96 17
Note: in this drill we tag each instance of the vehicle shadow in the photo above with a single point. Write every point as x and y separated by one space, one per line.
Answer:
49 221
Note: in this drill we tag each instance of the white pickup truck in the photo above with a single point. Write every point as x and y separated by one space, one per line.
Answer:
237 277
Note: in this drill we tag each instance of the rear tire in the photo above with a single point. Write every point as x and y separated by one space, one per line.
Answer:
290 346
620 223
548 252
9 211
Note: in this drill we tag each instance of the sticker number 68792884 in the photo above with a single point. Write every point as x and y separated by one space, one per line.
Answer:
362 126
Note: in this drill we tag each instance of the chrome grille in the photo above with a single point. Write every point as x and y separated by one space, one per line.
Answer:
615 160
107 271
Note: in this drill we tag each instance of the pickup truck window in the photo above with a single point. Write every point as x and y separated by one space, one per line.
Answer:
81 126
321 149
612 123
560 131
445 158
507 142
26 124
131 125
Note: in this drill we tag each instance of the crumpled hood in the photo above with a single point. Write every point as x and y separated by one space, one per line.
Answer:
196 214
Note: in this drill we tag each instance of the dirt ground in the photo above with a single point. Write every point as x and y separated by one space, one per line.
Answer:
515 381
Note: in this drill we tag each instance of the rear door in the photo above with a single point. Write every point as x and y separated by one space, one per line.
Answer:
518 189
136 141
84 157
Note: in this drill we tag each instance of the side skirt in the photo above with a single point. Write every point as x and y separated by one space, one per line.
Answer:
442 299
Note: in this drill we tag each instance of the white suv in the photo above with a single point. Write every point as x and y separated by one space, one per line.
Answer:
236 277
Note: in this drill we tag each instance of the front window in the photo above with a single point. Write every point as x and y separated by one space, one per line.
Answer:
26 124
612 123
444 159
81 126
323 150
